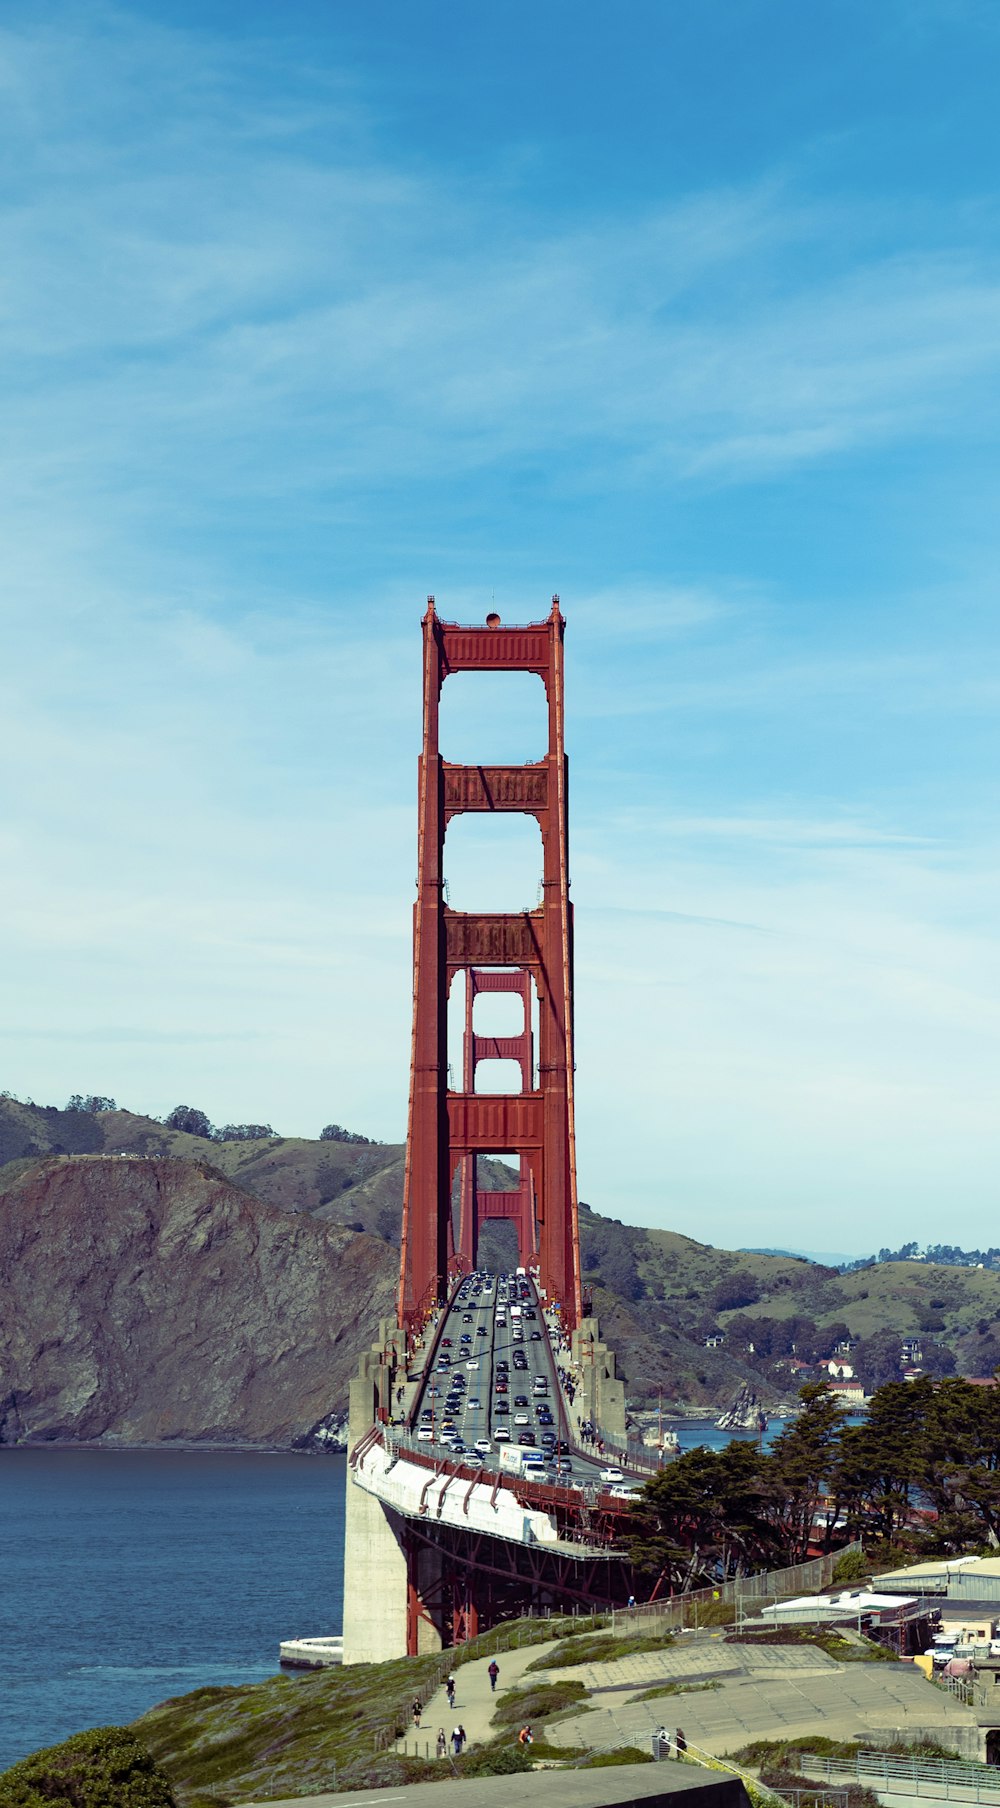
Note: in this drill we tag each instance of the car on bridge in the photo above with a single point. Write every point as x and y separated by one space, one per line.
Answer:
483 1446
501 1434
426 1434
612 1475
536 1337
521 1418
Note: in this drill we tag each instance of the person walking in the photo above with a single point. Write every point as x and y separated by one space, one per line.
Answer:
680 1743
493 1672
450 1690
456 1740
442 1743
416 1710
464 1735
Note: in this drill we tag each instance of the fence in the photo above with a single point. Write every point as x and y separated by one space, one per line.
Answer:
768 1585
955 1780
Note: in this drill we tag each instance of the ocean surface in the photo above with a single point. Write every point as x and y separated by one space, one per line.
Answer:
130 1576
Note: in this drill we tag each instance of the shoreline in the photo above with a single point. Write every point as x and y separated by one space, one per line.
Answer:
184 1445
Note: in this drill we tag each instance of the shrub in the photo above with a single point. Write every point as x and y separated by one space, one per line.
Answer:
600 1649
534 1703
107 1767
739 1289
496 1761
853 1566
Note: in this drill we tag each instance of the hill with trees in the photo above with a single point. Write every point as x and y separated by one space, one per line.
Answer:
690 1323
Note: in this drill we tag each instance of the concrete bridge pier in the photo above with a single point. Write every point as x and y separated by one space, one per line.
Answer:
603 1393
375 1569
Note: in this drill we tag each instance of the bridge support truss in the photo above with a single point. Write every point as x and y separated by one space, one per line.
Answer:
527 952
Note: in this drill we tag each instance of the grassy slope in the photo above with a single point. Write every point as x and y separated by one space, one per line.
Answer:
284 1736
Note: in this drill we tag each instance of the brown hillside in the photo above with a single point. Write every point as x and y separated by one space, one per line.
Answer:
144 1300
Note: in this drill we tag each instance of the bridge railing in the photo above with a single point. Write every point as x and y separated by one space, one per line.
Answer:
542 1496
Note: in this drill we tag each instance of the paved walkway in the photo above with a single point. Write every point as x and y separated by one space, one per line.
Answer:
474 1701
767 1692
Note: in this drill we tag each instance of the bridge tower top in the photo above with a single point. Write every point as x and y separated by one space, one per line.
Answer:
447 1127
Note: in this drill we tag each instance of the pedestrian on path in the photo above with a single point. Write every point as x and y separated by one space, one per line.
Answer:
680 1743
416 1710
442 1743
456 1740
525 1736
493 1673
450 1690
464 1735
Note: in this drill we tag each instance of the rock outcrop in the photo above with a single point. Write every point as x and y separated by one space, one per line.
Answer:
149 1299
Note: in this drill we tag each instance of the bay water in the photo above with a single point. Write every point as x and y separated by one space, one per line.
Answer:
131 1576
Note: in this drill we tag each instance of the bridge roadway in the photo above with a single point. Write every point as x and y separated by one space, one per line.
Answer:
480 1383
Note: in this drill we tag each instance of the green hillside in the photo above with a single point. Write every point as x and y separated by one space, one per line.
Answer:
660 1296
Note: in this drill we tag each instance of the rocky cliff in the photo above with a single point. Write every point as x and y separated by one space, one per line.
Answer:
143 1300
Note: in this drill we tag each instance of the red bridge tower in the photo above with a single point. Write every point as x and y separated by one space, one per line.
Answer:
529 953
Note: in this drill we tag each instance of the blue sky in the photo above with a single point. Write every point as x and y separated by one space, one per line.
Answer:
689 313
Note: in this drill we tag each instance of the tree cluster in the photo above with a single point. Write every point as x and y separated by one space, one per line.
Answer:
609 1255
195 1123
335 1133
713 1514
946 1255
92 1103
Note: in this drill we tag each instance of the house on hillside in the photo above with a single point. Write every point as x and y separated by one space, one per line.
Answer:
850 1390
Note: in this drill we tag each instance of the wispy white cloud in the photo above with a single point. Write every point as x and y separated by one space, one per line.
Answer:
225 309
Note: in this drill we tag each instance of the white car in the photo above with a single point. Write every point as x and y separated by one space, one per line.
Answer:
626 1493
501 1434
483 1446
425 1435
521 1418
612 1475
472 1365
